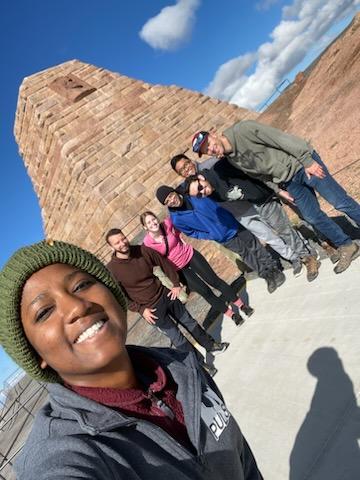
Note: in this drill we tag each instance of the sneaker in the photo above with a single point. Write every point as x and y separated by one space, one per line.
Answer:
247 310
210 369
297 267
238 319
348 253
331 252
218 347
233 312
312 268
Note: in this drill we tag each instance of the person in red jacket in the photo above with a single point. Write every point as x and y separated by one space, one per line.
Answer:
132 267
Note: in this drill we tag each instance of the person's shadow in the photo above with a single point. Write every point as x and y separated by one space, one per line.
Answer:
326 446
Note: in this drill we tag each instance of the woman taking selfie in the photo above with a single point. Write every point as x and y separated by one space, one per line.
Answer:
114 411
192 268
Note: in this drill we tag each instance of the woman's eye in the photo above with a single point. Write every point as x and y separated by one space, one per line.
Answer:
83 284
43 314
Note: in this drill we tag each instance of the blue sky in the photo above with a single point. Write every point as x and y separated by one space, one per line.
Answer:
235 50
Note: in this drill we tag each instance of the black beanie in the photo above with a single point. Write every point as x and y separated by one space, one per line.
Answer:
162 193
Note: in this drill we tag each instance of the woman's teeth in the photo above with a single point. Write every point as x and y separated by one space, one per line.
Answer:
90 332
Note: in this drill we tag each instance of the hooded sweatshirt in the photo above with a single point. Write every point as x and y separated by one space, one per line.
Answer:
206 220
74 437
231 184
267 153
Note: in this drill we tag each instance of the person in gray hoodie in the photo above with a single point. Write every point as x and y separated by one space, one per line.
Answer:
291 167
114 411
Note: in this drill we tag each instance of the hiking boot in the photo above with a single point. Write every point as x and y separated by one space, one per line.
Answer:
297 267
218 347
348 253
331 252
247 310
210 369
312 268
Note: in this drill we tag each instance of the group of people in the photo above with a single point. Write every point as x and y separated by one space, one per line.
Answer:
251 167
120 411
133 268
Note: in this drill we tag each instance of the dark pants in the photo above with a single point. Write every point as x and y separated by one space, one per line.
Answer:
252 252
172 312
303 190
197 272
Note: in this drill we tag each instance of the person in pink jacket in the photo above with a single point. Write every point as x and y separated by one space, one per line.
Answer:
192 268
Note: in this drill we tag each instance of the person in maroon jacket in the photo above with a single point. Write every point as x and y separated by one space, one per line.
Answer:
132 267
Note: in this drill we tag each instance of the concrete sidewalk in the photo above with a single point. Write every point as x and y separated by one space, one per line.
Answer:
291 376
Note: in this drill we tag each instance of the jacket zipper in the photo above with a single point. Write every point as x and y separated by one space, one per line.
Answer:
160 404
200 458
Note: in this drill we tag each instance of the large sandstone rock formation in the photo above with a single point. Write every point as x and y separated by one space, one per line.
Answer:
97 144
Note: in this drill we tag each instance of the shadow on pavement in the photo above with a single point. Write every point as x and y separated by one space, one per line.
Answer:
326 446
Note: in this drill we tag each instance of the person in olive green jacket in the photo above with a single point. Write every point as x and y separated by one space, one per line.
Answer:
292 168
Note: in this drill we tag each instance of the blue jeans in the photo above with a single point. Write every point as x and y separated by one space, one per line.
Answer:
303 190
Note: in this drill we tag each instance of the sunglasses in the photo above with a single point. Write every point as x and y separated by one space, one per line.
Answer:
200 188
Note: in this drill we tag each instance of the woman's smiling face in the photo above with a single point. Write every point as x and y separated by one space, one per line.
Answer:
151 223
73 322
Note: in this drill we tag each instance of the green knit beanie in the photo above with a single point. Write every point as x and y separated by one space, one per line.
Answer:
18 269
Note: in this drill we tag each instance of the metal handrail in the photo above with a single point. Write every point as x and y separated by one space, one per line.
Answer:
22 405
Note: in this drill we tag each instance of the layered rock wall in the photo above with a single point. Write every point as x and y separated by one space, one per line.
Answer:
97 144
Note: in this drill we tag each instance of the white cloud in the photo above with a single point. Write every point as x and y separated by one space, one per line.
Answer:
171 27
231 76
303 25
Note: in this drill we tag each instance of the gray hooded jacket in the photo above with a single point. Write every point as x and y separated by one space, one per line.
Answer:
76 438
267 153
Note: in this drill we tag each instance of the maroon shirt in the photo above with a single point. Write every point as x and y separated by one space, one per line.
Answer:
155 401
135 275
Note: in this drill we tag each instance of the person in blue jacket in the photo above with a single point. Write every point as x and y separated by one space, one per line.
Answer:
204 219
